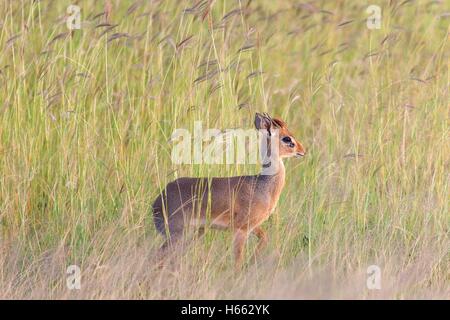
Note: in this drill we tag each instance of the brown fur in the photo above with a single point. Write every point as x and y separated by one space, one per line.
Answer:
239 203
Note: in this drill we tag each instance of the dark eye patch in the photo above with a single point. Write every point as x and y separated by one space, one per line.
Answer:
286 139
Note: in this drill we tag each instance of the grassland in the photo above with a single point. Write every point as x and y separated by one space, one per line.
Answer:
86 118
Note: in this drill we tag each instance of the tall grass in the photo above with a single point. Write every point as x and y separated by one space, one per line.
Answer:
86 118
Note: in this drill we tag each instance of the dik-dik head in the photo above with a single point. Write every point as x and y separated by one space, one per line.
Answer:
277 131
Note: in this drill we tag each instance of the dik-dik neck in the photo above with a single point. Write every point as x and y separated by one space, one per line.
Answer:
271 182
275 173
273 168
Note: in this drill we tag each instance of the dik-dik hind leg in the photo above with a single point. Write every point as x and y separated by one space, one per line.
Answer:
170 243
169 246
200 232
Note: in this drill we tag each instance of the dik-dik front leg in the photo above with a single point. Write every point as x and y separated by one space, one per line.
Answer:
239 241
262 240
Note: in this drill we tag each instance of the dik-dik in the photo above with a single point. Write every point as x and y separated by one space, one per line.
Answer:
240 203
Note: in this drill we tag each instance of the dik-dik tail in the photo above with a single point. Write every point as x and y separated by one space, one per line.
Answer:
158 216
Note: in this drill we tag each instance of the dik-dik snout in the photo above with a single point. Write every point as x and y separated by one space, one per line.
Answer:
240 203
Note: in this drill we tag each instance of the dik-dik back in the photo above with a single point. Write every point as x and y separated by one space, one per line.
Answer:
241 203
233 200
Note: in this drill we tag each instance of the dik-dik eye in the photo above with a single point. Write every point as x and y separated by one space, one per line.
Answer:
288 141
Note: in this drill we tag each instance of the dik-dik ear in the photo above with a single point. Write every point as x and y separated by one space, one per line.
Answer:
279 123
262 121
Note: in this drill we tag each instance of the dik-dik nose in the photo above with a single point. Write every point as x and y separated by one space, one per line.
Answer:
300 150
